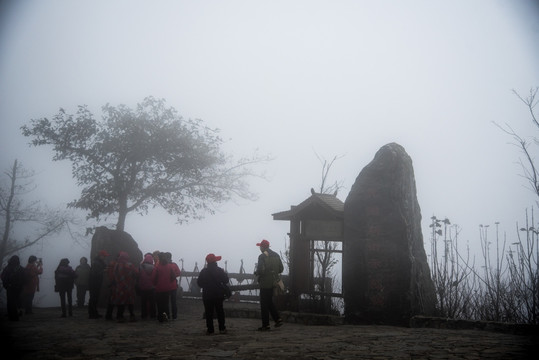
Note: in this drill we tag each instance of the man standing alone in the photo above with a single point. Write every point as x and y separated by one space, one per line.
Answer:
82 280
268 269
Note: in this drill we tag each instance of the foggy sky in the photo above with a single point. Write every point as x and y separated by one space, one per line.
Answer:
292 79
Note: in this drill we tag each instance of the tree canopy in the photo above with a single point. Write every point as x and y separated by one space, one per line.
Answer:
134 160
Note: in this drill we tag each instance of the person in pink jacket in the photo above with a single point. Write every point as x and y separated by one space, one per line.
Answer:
164 280
146 289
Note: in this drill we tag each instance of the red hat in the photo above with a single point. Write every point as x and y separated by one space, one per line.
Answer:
103 253
211 258
263 243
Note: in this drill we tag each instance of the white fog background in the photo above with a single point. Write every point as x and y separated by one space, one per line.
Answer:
292 79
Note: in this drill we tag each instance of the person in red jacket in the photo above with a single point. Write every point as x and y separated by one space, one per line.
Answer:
164 279
123 275
33 269
174 292
146 288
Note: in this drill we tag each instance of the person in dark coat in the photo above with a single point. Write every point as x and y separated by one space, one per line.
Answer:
95 281
65 282
211 280
82 280
268 270
13 281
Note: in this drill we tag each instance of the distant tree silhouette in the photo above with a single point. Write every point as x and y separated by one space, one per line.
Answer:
16 211
138 159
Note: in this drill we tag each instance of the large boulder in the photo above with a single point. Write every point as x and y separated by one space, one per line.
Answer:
386 277
113 241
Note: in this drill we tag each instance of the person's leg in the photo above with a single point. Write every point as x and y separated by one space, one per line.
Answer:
63 302
208 310
144 304
264 303
27 303
162 305
220 314
92 303
70 302
174 304
84 290
132 316
110 309
120 312
152 304
79 296
166 304
273 310
31 302
11 299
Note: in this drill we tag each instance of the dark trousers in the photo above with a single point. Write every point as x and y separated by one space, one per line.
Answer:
147 303
81 295
267 307
63 295
174 303
209 306
27 300
121 308
162 300
95 291
13 299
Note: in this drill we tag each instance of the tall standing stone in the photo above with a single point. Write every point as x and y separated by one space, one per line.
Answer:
386 277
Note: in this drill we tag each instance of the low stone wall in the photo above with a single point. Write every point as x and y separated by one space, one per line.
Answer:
456 324
252 311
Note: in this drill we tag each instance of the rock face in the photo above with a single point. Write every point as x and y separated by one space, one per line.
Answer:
386 277
113 241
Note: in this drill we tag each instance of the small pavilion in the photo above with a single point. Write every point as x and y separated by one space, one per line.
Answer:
318 218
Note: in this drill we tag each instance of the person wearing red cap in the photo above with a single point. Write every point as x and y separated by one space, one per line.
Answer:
268 270
211 280
97 271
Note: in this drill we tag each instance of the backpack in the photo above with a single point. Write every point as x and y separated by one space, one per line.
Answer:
13 278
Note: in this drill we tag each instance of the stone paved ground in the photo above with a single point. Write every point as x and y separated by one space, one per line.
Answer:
44 335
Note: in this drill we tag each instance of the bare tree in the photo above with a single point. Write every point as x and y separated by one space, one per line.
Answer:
451 272
324 250
523 259
530 170
15 211
326 167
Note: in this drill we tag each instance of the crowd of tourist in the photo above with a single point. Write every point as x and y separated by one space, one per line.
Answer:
154 281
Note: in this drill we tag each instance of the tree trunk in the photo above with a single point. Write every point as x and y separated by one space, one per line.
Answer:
120 225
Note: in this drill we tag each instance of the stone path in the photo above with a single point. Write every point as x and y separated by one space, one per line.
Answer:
44 335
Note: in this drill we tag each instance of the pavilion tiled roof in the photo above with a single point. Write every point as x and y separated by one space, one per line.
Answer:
328 202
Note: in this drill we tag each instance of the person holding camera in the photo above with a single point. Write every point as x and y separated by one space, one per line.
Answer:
33 269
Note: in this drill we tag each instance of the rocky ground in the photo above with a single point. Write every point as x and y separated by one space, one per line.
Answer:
44 335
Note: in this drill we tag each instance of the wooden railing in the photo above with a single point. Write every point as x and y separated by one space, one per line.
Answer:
244 286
